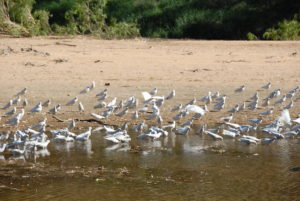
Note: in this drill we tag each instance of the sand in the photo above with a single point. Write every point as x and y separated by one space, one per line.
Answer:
59 68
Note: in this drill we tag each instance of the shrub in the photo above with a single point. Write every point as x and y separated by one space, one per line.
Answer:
287 30
251 36
122 30
87 16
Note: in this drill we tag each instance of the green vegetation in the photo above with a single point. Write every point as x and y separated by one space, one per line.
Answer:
287 30
198 19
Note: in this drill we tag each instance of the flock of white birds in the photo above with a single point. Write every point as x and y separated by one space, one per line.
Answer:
152 126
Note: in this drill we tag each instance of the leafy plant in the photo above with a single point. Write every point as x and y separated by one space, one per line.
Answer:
251 36
287 30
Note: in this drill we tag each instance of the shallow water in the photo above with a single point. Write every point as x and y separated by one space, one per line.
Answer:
189 167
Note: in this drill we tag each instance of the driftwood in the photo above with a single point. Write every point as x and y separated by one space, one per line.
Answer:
66 44
58 119
83 120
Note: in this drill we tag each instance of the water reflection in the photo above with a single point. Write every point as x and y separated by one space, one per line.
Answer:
85 147
176 167
63 147
118 147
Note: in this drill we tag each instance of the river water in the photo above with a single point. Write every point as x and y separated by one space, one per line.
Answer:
191 167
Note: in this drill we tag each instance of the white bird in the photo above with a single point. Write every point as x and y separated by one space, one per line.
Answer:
93 85
112 102
36 109
242 106
170 126
40 124
230 134
143 109
135 115
25 102
159 102
10 103
221 99
201 129
84 136
100 105
73 101
55 109
17 118
291 94
46 103
178 116
152 134
72 124
17 151
119 137
191 102
159 120
188 122
153 115
107 112
207 99
171 95
123 112
255 97
183 130
124 126
276 135
234 109
290 133
42 144
104 92
267 140
97 116
233 125
134 103
219 106
80 107
216 95
274 93
153 91
266 103
289 106
176 108
2 148
103 97
253 105
63 138
240 89
22 92
227 119
85 90
281 100
297 120
256 121
195 109
205 108
214 135
248 141
268 112
139 127
17 100
11 112
285 117
267 86
147 97
4 136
